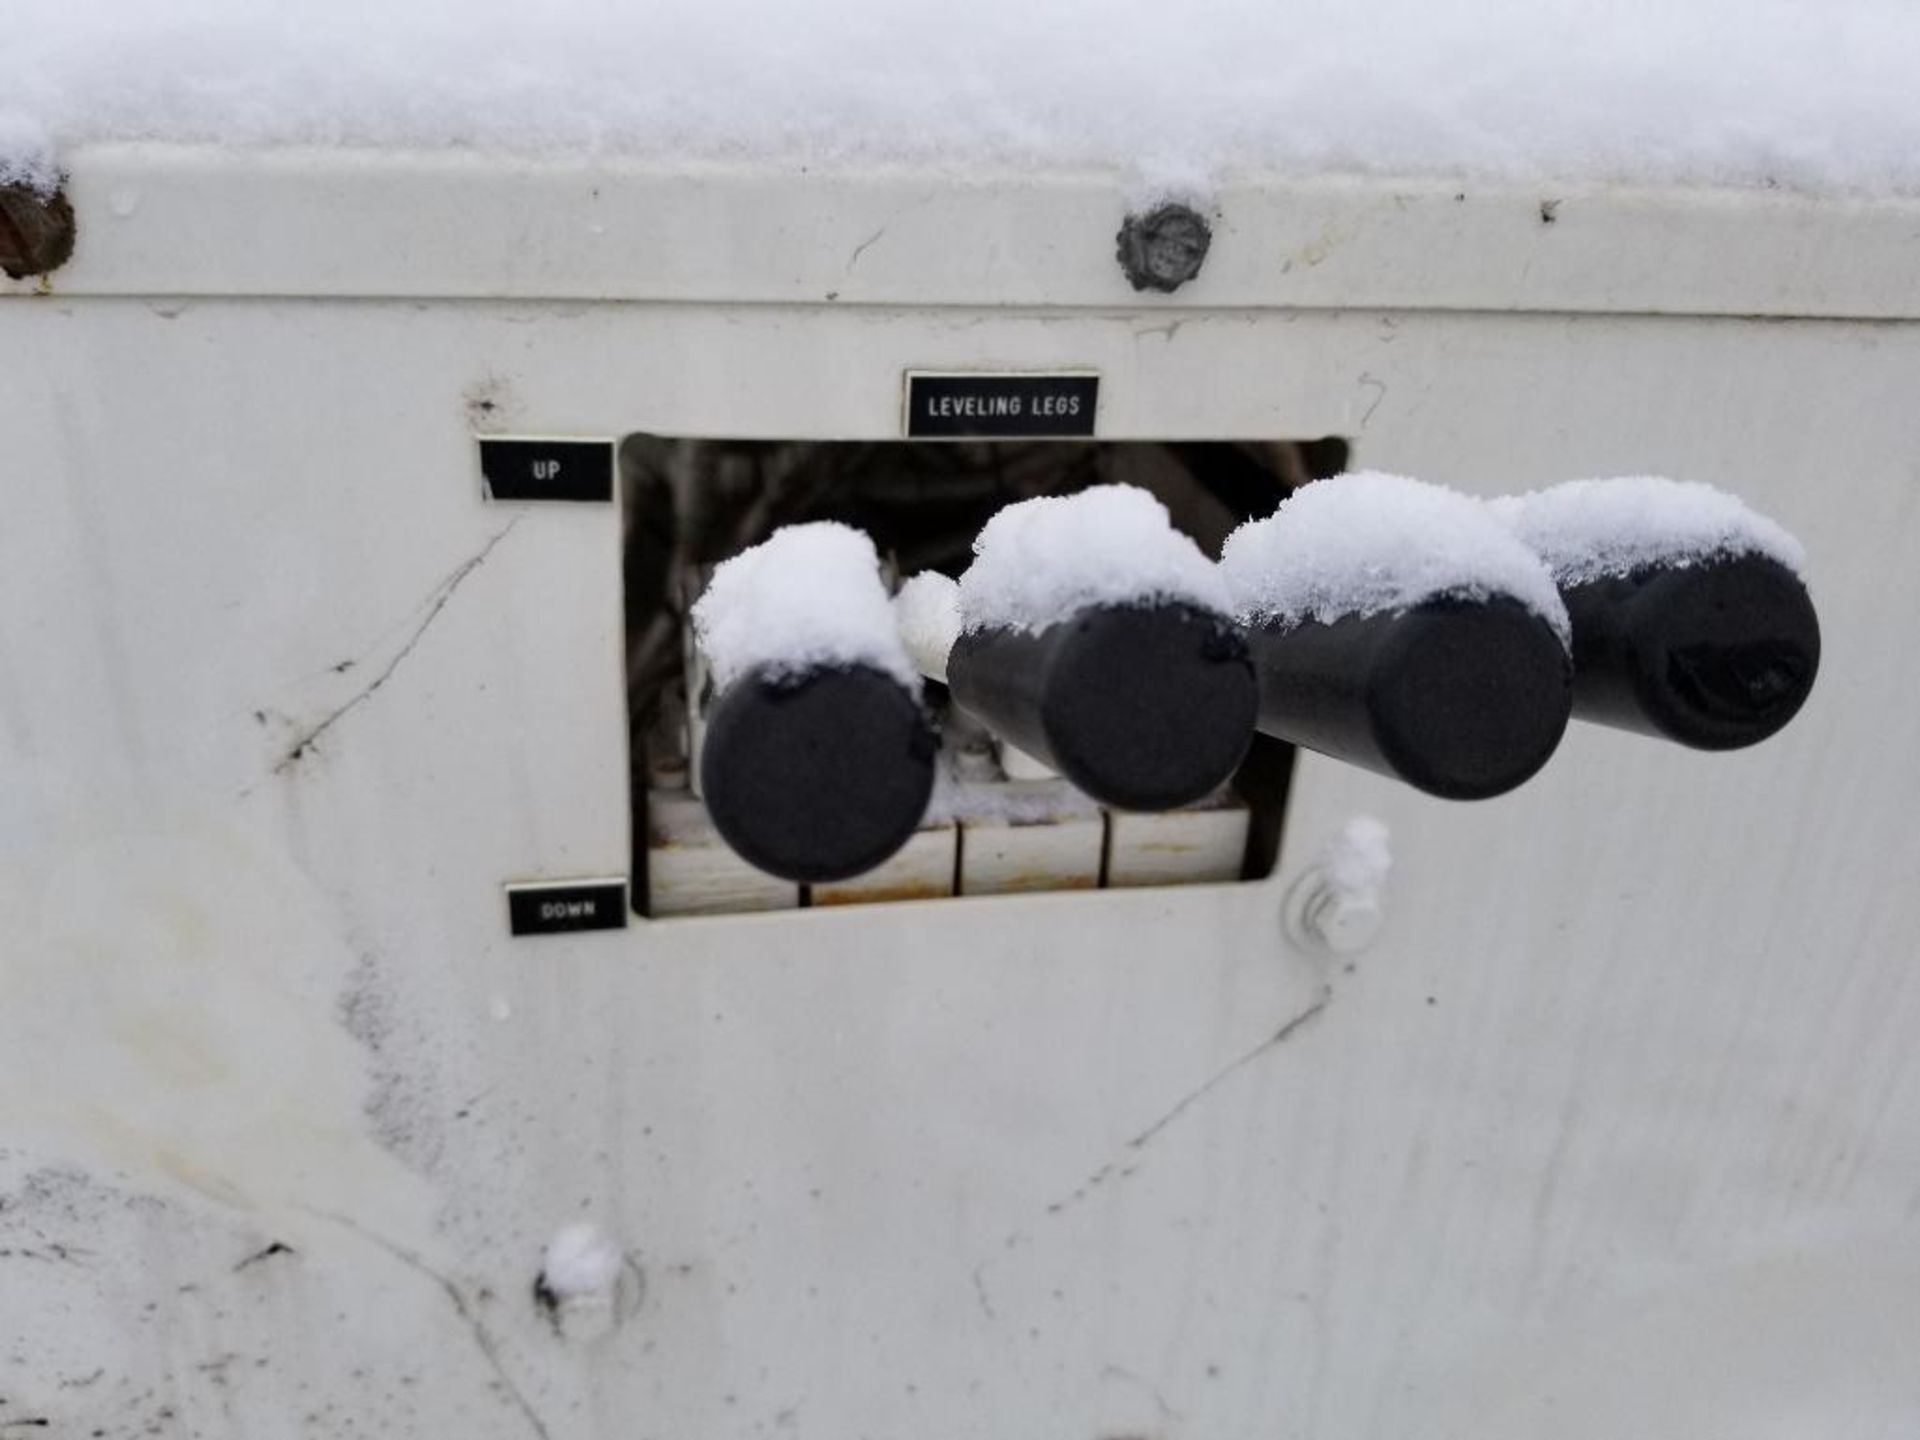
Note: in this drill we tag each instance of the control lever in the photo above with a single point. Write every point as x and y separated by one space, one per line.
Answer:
1096 638
819 760
1145 707
1397 626
1690 619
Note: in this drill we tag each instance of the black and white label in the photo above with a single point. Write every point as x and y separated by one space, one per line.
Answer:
555 908
547 469
1000 406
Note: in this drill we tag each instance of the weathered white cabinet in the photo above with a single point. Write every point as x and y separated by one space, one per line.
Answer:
1616 1131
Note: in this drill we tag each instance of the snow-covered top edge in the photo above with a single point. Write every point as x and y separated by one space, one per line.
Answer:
1590 529
1801 93
808 597
1039 561
928 611
1365 543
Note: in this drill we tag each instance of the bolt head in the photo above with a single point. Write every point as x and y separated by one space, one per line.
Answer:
1346 923
1164 248
36 231
1331 919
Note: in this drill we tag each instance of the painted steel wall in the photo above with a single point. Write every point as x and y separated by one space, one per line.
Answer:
1616 1130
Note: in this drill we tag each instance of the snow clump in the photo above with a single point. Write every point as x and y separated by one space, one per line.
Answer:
1366 543
1039 561
928 609
808 598
1593 529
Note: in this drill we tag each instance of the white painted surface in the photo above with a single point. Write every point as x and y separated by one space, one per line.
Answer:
924 868
692 871
1005 857
1176 847
166 220
1616 1130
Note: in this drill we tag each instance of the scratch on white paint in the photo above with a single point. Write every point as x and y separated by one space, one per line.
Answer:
432 606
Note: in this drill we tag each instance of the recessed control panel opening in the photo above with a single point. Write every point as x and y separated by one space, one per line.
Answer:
999 823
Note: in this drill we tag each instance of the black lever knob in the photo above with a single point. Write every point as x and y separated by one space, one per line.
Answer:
817 776
1717 655
1096 637
1144 707
1463 698
818 758
1400 627
1690 619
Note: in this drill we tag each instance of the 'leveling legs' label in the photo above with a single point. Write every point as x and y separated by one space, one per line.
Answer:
1000 406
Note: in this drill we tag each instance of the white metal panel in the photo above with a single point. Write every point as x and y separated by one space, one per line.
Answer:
1179 847
922 869
998 857
180 220
1637 1042
691 870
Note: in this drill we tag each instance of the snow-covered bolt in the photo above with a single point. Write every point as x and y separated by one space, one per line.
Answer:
1164 248
586 1284
36 231
1343 923
1338 906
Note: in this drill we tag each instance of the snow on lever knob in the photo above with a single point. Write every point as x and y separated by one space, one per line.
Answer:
1097 638
1690 619
928 611
1400 627
819 758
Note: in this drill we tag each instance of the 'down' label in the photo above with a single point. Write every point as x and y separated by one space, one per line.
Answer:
555 909
547 469
1000 406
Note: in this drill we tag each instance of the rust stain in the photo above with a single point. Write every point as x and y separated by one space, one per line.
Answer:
1041 882
921 890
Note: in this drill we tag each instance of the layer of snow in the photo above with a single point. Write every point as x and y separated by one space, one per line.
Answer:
928 610
1805 93
810 596
1038 561
1586 529
582 1263
1366 543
